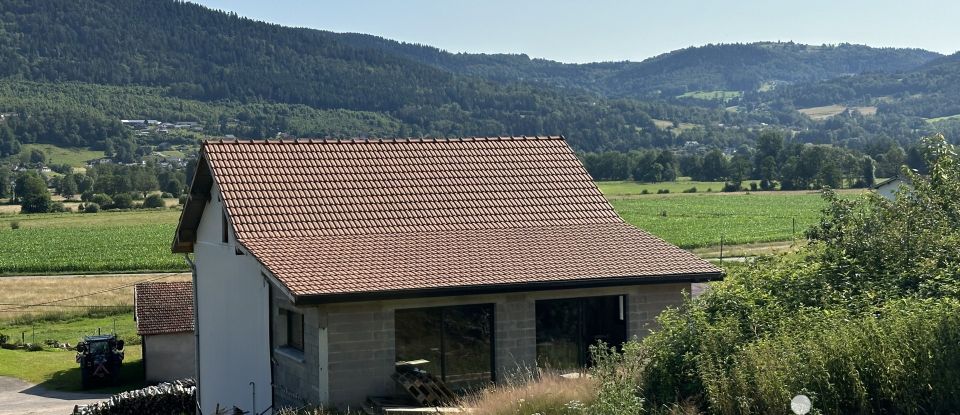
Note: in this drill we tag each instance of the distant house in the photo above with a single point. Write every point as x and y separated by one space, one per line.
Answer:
164 315
323 267
889 188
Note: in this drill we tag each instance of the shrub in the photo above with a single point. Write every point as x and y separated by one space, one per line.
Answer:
91 208
753 186
57 207
663 191
102 200
122 201
14 224
154 201
691 190
731 187
182 200
166 195
34 347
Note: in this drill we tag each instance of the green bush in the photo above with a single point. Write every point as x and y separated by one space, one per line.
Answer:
154 201
91 208
14 224
182 200
101 200
690 190
122 201
864 319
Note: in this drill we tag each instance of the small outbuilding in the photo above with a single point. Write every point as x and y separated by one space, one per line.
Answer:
164 315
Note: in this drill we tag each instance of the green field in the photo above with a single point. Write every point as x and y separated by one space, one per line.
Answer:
615 189
140 240
55 368
76 157
700 220
93 242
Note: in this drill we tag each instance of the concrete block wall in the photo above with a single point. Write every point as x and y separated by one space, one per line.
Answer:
361 349
296 374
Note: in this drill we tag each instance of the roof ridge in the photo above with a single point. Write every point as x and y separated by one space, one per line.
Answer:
381 140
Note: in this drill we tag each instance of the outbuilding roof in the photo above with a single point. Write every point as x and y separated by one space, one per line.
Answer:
338 218
163 307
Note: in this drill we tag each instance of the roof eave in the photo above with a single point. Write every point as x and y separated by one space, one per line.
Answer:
319 299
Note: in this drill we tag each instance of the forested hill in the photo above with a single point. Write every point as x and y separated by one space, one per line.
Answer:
721 67
929 91
195 53
90 63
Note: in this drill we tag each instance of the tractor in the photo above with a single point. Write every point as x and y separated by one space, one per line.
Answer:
100 358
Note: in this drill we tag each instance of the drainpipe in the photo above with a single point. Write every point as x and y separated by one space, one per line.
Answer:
196 330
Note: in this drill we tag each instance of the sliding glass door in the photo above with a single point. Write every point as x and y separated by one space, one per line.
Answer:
566 328
453 343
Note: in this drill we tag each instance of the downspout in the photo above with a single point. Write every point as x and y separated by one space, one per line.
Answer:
196 330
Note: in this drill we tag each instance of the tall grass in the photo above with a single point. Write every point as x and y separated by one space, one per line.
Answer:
544 394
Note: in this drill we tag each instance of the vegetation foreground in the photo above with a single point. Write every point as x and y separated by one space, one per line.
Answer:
864 319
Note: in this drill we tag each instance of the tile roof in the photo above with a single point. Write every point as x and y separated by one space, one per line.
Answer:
359 216
164 307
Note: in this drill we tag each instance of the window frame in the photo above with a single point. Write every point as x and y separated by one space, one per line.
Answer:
289 320
442 332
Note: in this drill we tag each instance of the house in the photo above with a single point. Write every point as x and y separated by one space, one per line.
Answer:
889 188
164 315
322 265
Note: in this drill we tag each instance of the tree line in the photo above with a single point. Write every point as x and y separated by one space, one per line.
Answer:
775 162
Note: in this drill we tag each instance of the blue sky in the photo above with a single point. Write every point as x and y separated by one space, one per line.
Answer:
603 30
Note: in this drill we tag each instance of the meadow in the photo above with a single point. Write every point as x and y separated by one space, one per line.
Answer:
702 220
74 156
56 368
139 240
89 243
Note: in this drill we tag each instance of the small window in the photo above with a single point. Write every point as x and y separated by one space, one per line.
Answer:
224 229
294 330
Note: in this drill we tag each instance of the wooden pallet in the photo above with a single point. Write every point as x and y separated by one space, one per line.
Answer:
426 389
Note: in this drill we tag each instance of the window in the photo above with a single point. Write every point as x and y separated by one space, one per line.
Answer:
566 329
294 330
224 228
453 343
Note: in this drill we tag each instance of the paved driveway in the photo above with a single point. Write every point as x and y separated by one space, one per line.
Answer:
21 398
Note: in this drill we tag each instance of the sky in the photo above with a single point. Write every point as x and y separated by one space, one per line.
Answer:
605 30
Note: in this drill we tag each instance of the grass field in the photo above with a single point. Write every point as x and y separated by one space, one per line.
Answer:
99 292
56 368
615 189
827 111
699 220
88 243
76 157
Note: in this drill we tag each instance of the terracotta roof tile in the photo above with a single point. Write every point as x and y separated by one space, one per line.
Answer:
164 307
336 217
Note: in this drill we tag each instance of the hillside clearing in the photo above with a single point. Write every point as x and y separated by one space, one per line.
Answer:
74 156
827 111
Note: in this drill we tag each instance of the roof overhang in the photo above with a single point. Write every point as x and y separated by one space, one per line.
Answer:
198 197
319 299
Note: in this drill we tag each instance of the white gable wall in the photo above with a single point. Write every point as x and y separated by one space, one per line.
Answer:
232 320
